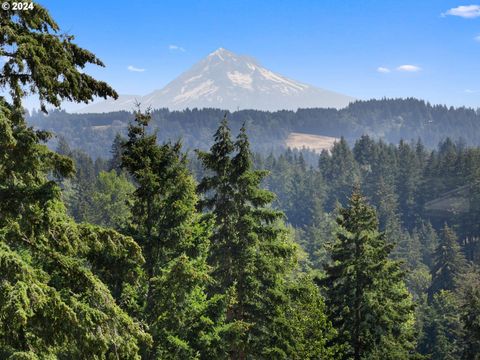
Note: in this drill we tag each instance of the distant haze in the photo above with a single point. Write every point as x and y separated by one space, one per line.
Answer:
228 81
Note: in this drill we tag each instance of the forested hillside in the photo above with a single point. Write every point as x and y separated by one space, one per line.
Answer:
370 251
426 203
387 119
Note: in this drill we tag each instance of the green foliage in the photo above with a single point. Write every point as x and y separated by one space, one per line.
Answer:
116 152
429 241
469 298
78 190
388 119
57 299
51 281
448 264
109 201
367 299
302 194
311 329
443 328
340 171
317 237
228 283
253 257
182 319
53 305
44 62
408 181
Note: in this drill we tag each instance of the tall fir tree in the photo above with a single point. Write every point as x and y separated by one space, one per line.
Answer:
428 241
219 162
449 262
252 252
368 302
175 242
317 237
340 170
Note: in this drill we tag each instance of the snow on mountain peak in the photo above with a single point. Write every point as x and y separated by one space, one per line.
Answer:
229 81
221 53
240 79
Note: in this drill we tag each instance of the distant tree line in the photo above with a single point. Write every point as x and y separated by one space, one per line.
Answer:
388 119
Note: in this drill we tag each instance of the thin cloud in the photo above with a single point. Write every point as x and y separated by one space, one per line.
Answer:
409 68
477 38
469 91
176 48
464 11
383 70
134 69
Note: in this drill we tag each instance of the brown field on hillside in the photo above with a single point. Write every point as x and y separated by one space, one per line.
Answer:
316 143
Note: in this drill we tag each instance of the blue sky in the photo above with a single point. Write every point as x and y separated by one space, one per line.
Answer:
337 45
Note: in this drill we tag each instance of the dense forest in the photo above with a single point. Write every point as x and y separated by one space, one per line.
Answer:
425 203
368 251
388 119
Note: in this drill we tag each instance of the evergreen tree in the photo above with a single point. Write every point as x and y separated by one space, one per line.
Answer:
42 61
218 162
377 162
109 202
428 241
306 314
82 187
306 195
406 247
469 298
448 263
175 243
115 162
56 300
252 253
407 183
387 201
442 329
280 182
340 171
62 147
317 237
469 221
367 298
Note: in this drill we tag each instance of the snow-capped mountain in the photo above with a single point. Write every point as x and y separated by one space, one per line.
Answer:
229 81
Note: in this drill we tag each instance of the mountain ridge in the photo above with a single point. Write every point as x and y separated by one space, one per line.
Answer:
229 81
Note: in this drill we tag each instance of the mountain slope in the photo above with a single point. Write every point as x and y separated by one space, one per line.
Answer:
229 81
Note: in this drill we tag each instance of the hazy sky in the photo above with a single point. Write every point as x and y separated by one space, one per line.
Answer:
366 49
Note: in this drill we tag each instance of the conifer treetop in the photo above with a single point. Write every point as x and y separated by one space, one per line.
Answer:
41 60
